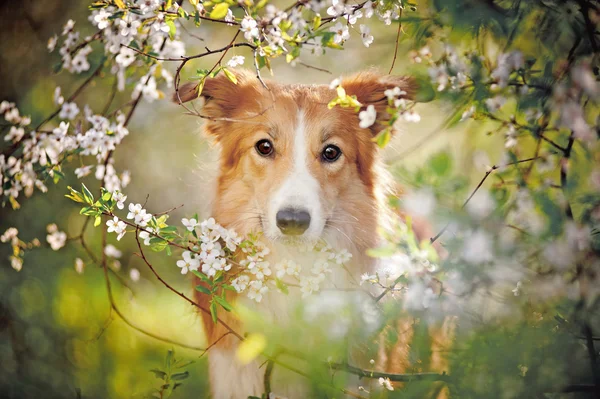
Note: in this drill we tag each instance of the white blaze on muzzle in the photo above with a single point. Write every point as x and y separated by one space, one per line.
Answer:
295 208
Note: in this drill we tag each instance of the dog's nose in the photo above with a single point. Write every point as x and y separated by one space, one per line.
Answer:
292 222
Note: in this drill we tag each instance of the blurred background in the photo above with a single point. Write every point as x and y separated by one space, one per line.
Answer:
58 336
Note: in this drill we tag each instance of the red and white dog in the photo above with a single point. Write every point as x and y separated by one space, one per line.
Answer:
294 170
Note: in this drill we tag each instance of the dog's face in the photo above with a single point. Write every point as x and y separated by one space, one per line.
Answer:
290 167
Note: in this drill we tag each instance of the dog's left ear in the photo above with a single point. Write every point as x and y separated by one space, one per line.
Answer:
222 94
369 89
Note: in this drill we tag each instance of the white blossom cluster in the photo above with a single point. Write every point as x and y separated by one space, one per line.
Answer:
257 275
217 247
144 25
56 238
11 236
272 32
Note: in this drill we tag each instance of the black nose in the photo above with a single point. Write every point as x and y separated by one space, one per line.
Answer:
292 222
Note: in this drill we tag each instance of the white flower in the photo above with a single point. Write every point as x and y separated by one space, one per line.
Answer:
308 285
125 57
232 240
189 262
394 93
10 235
208 224
79 265
367 117
145 235
341 33
14 134
250 28
256 290
517 290
468 113
337 8
288 267
143 218
112 252
58 98
229 17
12 115
335 83
411 116
134 274
16 263
100 18
365 33
120 198
368 9
68 111
342 257
134 211
386 383
366 277
57 239
117 226
190 224
240 283
494 104
261 270
68 27
583 77
52 43
320 268
236 60
83 171
128 26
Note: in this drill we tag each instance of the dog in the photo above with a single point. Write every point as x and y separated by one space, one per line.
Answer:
295 170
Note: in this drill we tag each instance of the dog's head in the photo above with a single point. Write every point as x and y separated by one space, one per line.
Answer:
290 167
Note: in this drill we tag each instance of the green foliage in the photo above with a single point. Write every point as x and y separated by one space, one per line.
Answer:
172 374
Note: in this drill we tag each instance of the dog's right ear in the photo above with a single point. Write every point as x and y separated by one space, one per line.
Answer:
221 94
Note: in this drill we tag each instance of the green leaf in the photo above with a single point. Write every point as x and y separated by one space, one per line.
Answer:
221 301
75 195
381 252
97 221
201 276
282 286
203 289
383 138
106 195
182 363
180 376
172 29
57 176
230 75
219 11
87 195
169 359
213 312
88 211
159 373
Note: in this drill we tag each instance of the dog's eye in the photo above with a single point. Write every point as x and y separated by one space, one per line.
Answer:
264 147
331 153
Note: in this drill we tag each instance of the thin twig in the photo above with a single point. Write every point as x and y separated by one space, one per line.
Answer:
397 42
392 377
487 174
181 294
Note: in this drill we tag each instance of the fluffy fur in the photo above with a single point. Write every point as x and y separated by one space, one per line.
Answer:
345 198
